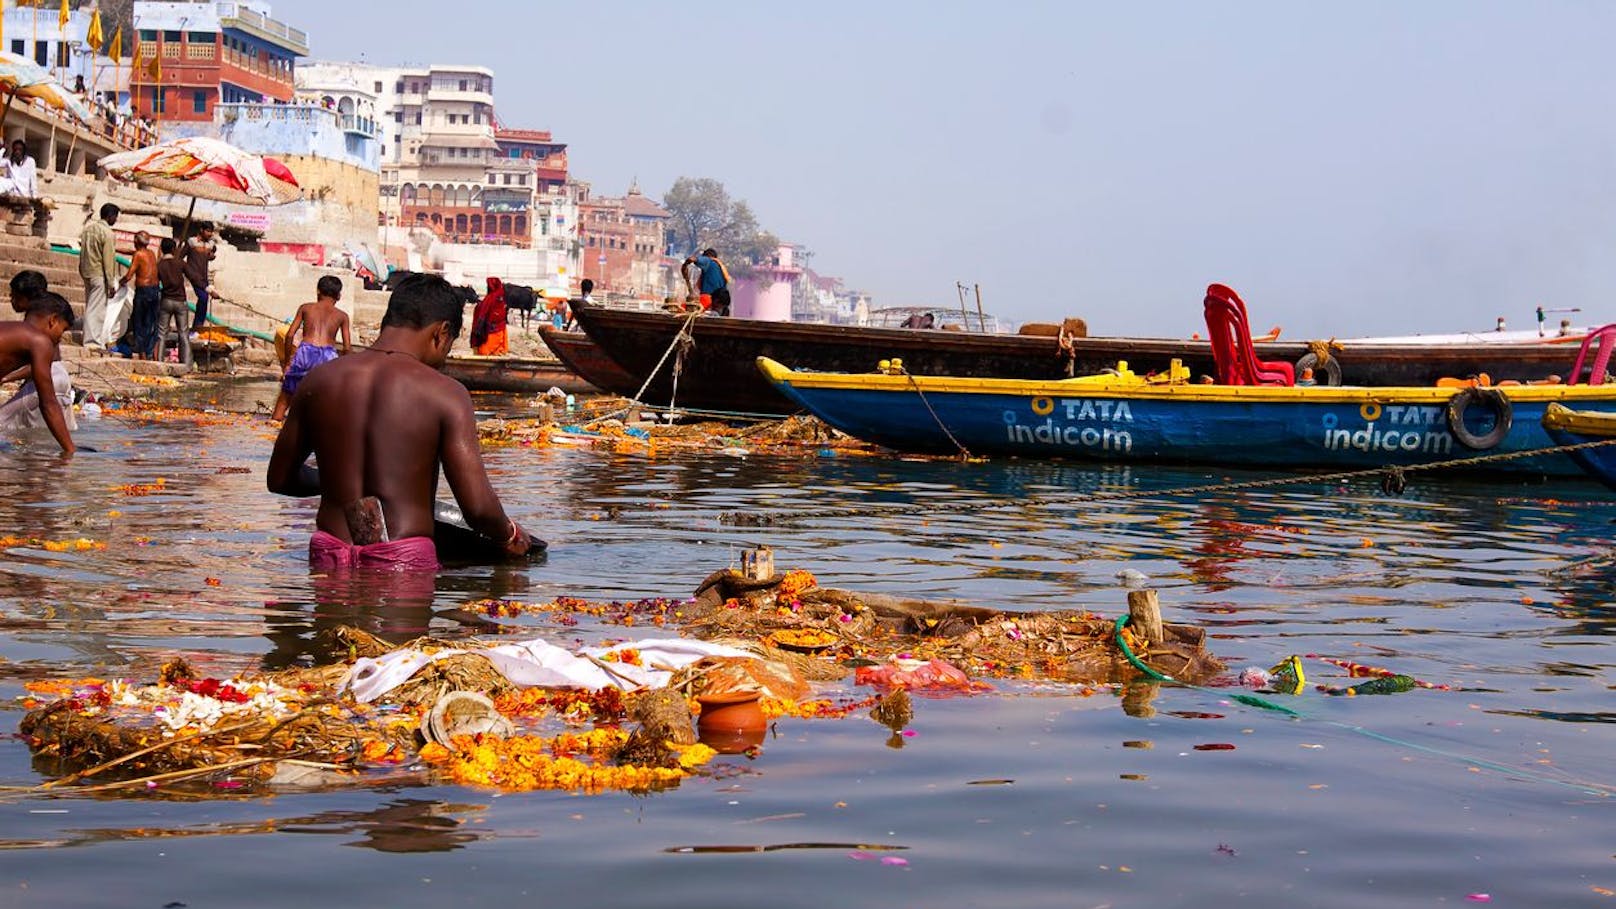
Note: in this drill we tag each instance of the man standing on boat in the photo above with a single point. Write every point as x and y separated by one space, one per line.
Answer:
714 284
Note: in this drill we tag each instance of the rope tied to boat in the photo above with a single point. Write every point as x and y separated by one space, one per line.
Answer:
682 335
1322 349
964 453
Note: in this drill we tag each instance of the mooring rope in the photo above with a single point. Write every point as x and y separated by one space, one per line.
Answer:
634 402
964 453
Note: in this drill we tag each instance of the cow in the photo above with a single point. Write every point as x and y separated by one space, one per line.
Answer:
520 296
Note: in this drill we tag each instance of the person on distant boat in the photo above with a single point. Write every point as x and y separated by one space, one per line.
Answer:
321 322
382 424
586 287
714 283
488 337
32 344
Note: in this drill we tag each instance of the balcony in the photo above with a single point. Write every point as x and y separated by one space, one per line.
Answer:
237 16
359 126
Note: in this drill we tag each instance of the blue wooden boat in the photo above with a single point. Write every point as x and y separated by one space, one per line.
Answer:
1578 427
1127 417
1255 415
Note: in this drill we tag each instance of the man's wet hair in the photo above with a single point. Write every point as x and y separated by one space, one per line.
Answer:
168 245
110 211
586 286
420 300
709 252
29 284
50 304
329 286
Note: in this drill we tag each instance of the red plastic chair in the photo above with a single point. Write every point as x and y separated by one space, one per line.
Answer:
1232 349
1604 338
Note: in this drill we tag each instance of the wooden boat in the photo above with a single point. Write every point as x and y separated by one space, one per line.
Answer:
527 375
584 357
717 371
1577 427
1126 417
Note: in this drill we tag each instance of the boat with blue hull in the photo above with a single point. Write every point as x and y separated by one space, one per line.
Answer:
1585 428
1129 418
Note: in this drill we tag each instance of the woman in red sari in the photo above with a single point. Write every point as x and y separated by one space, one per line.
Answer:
488 336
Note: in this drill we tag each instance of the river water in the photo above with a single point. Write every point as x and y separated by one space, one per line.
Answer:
1032 795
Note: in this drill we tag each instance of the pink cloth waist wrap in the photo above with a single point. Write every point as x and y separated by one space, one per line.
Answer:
326 552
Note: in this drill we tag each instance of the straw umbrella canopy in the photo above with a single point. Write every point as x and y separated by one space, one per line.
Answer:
204 168
23 78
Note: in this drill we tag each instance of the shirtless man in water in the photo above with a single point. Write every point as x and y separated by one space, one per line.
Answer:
381 422
32 343
321 322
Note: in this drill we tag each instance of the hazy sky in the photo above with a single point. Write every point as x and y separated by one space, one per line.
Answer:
1356 168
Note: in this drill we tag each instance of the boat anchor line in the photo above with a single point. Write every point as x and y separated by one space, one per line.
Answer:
964 453
1393 479
682 341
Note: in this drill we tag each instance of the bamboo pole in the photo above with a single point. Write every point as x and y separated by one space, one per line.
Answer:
980 318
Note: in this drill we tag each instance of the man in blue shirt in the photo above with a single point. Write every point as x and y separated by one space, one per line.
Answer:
714 279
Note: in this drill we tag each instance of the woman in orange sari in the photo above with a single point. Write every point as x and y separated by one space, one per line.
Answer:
488 336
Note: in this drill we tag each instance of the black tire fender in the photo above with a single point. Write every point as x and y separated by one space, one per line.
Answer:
1332 368
1490 398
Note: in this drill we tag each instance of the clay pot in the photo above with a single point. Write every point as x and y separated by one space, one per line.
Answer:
731 722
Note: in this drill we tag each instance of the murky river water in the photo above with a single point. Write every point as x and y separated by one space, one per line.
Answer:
1424 798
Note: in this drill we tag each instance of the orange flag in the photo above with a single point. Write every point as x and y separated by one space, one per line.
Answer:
61 17
116 51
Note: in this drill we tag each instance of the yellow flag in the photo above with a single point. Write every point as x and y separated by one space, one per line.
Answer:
155 67
116 51
94 37
61 18
2 20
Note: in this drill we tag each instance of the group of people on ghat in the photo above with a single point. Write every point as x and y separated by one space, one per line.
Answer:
161 277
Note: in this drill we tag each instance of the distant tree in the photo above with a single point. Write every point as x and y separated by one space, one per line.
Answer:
704 215
113 14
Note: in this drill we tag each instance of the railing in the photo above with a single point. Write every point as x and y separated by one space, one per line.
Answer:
293 36
250 112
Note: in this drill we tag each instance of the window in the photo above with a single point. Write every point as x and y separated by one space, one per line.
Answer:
398 87
63 54
378 88
18 47
202 38
156 100
417 118
171 36
42 53
148 34
398 116
199 101
462 85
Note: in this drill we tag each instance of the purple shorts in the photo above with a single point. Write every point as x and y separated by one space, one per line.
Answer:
307 357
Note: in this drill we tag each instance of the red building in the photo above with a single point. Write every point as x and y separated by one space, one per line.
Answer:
191 57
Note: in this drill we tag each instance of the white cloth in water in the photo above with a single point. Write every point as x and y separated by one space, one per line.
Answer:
539 663
21 413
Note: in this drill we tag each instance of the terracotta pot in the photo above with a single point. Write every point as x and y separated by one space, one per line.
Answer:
730 719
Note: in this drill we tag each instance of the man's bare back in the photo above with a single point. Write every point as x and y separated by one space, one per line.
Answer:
381 422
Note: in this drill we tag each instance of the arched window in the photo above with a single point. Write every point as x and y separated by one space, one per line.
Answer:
521 225
436 199
477 224
460 224
505 225
407 194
